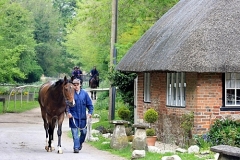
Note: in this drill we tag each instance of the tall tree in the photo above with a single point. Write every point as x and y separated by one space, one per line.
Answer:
66 9
89 33
18 58
49 35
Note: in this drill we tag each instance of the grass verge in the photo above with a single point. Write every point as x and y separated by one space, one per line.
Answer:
18 106
104 145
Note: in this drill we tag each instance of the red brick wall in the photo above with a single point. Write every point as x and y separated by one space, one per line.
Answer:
140 93
203 97
209 100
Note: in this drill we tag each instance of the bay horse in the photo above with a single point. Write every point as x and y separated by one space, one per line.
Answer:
54 97
94 85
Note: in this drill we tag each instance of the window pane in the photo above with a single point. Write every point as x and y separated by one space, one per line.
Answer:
237 80
230 80
147 87
230 97
238 97
232 90
176 89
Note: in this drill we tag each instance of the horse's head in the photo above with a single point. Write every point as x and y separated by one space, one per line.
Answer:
68 92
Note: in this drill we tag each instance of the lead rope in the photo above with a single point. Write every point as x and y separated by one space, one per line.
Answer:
77 126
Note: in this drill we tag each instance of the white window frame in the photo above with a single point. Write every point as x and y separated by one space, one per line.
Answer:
147 86
176 89
232 89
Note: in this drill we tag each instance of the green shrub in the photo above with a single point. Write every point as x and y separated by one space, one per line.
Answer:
186 124
151 115
203 141
150 132
187 121
225 132
124 113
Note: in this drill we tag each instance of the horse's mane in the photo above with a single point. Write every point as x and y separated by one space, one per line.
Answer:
59 83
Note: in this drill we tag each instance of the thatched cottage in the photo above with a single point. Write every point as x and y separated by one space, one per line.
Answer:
188 61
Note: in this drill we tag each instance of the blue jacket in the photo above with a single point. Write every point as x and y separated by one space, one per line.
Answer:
83 102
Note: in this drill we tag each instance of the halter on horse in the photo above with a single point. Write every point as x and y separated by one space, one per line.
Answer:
94 85
53 99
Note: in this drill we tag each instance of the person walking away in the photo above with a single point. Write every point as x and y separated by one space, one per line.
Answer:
78 116
94 72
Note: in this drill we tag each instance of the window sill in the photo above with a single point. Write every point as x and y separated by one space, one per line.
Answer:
230 108
175 106
147 101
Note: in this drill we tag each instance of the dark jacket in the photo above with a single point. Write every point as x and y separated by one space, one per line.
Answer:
94 72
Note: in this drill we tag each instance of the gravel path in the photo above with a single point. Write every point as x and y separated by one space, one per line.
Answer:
22 136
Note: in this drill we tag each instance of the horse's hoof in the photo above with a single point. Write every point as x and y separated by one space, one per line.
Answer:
49 149
60 152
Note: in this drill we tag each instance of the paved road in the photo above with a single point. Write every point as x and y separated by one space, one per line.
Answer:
22 136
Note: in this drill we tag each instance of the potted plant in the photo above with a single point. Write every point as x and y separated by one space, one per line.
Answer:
151 116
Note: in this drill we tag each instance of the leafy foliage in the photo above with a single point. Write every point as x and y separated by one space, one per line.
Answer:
124 113
16 42
125 83
187 122
48 22
150 132
225 132
50 37
66 8
203 141
151 115
89 33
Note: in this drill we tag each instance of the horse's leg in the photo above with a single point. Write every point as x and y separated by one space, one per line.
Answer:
95 94
51 126
91 94
52 138
50 131
59 132
46 127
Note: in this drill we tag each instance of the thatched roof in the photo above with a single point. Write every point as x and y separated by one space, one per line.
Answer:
193 36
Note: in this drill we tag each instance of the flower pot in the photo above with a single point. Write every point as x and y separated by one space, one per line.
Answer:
151 140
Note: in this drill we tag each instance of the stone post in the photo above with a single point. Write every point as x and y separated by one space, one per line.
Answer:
139 140
119 138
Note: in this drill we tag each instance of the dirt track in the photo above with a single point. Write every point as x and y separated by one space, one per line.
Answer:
22 136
